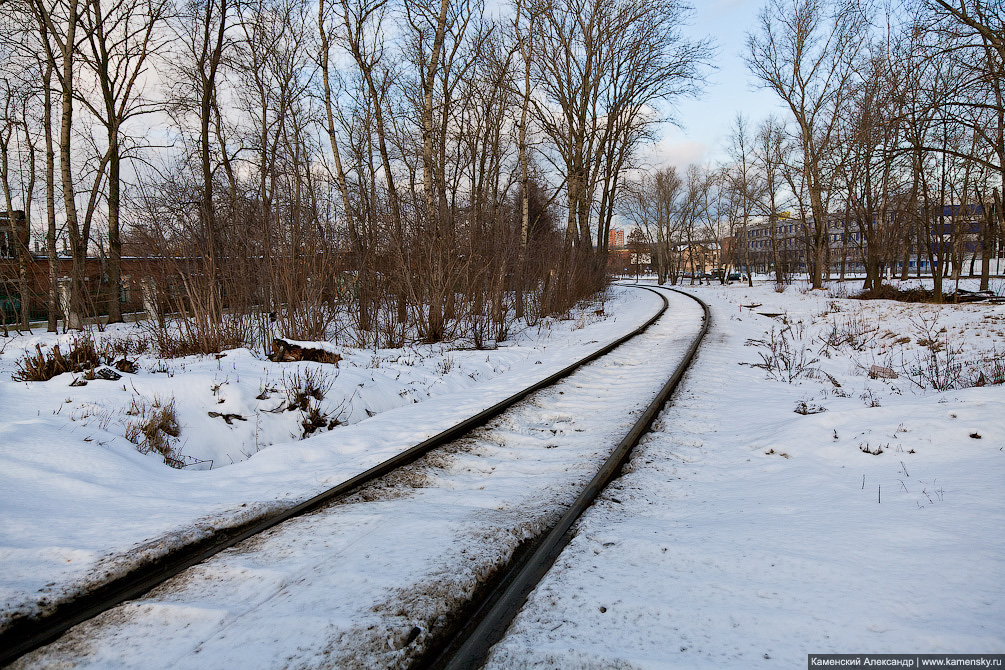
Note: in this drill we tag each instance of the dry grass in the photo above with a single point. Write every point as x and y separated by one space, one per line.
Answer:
41 366
189 342
784 353
152 429
306 391
83 357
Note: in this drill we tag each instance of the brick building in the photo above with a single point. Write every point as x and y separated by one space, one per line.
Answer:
616 238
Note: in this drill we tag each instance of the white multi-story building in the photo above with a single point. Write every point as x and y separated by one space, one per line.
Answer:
784 241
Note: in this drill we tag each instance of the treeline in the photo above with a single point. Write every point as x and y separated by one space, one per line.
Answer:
891 148
392 168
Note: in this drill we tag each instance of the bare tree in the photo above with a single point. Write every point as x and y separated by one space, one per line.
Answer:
275 72
701 218
872 137
652 203
28 62
444 42
603 67
525 22
804 51
57 26
745 188
359 29
121 37
201 28
392 150
771 155
971 33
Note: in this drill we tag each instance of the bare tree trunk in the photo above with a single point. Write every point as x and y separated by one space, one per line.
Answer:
114 237
60 51
12 121
78 237
120 35
209 60
526 46
50 199
27 299
434 217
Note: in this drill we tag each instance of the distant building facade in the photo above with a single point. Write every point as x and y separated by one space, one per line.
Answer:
699 258
784 241
11 231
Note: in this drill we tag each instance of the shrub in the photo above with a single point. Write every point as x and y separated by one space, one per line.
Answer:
41 366
83 357
189 340
943 365
305 392
311 383
152 429
854 331
783 354
888 292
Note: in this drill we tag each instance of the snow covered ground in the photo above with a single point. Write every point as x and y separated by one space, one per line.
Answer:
370 581
788 503
79 501
747 533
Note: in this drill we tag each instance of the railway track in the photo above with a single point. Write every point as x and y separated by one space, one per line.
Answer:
466 510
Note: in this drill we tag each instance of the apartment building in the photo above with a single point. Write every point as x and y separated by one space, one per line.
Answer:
784 240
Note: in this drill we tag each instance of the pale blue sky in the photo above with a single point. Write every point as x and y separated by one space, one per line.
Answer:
706 122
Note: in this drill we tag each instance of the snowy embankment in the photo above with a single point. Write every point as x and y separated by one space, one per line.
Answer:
771 516
80 501
788 502
373 581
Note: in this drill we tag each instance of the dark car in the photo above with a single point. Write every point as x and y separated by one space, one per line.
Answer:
736 276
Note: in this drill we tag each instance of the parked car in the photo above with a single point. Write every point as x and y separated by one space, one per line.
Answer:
718 273
736 276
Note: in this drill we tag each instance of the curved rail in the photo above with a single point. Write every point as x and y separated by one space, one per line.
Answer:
28 633
500 602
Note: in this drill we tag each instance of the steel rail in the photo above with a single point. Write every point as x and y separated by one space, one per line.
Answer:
27 633
493 610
